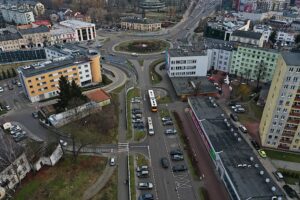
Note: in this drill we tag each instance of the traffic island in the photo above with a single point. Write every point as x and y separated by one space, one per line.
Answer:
142 46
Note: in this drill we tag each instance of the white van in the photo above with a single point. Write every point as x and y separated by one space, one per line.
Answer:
112 161
243 129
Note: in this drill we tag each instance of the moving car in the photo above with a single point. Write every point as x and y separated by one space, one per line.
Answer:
35 115
177 157
170 131
146 196
7 107
179 168
112 161
164 162
145 185
239 110
262 153
1 89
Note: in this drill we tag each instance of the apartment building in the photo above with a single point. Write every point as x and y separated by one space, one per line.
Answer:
10 41
83 30
248 61
247 37
61 34
14 14
40 81
139 24
280 124
186 63
271 5
219 58
36 37
264 30
285 38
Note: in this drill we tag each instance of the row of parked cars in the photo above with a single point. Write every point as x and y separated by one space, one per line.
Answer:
167 121
136 119
17 133
144 172
175 155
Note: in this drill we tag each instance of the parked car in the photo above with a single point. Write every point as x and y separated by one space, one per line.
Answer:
262 153
243 129
143 174
7 107
176 152
177 157
239 110
1 89
234 117
147 196
19 134
112 161
35 115
145 185
255 144
278 175
170 131
167 123
179 168
20 138
290 191
164 162
19 84
142 168
164 119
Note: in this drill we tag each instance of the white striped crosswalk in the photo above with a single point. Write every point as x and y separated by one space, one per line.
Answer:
123 147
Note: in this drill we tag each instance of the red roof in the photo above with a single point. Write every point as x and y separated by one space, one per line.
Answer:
98 95
42 23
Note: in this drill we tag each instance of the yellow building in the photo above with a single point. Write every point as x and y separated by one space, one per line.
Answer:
40 81
280 123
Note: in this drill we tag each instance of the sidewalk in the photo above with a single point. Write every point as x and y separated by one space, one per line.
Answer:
286 165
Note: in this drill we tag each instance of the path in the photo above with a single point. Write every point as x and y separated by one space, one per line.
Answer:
99 184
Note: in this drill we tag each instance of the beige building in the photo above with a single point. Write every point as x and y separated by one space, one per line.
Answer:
280 123
140 24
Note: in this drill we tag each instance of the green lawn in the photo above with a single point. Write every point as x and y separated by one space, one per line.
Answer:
141 62
97 128
132 93
278 155
139 135
290 176
65 180
164 112
132 178
164 100
154 76
141 160
110 191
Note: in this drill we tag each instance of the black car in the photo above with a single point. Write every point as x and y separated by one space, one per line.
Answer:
14 81
35 115
176 152
179 168
234 117
147 196
290 191
164 162
232 103
255 144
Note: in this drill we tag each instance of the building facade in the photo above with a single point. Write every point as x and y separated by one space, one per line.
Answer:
285 38
247 37
140 24
83 30
36 37
271 5
17 15
185 63
264 30
60 34
247 62
280 123
219 59
40 81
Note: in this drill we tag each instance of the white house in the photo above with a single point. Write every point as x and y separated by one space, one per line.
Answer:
285 37
186 63
264 30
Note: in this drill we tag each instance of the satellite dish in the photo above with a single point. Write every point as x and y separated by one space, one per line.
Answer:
2 193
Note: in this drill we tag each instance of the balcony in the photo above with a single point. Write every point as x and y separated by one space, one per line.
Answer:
293 121
298 91
283 146
288 134
297 99
290 128
296 107
294 114
285 141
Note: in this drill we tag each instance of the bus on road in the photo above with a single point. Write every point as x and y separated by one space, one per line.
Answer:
150 126
152 100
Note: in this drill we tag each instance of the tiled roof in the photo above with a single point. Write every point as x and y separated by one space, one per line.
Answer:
98 95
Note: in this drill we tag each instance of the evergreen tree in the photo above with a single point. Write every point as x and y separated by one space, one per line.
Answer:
64 93
4 75
272 37
8 74
14 73
76 91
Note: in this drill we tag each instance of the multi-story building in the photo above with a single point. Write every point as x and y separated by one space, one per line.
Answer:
40 81
83 30
14 164
249 62
264 30
186 63
285 38
10 41
17 15
152 5
296 25
139 24
36 37
280 124
219 58
61 34
271 5
247 37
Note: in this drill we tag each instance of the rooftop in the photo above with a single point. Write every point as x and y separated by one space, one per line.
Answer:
185 85
39 29
97 95
290 58
7 35
239 160
73 49
76 24
59 29
185 52
247 34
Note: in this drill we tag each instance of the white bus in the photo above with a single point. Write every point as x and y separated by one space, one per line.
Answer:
152 100
150 126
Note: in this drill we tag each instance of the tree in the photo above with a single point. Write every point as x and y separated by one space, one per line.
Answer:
8 74
272 37
4 75
261 70
297 39
14 73
64 92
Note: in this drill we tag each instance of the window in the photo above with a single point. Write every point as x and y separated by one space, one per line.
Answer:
30 86
87 70
29 81
295 79
291 69
42 77
87 76
52 80
50 75
288 78
52 85
74 68
59 72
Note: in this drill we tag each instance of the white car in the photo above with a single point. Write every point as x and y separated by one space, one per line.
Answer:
1 89
112 161
145 186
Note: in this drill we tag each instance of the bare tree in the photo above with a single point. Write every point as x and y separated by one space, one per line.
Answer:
261 71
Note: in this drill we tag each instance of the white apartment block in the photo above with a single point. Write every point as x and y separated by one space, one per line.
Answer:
285 37
219 59
17 15
185 63
264 30
83 30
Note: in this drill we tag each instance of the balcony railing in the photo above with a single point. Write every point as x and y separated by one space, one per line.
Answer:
296 107
290 128
297 99
293 121
281 146
294 114
288 134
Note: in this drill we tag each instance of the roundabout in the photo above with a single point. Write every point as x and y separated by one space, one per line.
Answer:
148 46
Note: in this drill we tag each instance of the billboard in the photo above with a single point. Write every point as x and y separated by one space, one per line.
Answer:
247 5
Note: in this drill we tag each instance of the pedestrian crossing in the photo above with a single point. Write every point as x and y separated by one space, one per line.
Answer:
123 147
